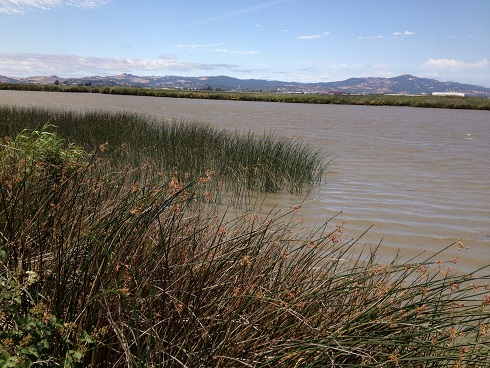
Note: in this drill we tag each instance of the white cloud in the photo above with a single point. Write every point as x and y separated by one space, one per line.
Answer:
406 33
346 66
168 57
364 70
246 52
73 65
198 46
238 52
476 72
310 37
221 50
317 71
19 6
370 37
396 34
88 4
456 64
235 13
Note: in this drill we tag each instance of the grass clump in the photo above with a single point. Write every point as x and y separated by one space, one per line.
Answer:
112 265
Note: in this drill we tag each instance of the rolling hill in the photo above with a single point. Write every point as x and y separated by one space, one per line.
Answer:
403 84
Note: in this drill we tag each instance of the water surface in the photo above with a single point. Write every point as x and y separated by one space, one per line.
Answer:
420 177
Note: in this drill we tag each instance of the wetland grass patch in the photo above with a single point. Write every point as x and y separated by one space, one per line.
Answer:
108 262
241 163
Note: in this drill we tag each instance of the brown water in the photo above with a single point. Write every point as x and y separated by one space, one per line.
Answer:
421 177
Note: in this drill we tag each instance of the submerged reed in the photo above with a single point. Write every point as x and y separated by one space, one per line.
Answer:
107 264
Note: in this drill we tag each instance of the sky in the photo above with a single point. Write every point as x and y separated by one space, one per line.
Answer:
286 40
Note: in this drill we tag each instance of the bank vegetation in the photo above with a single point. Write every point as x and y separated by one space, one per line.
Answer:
111 258
447 102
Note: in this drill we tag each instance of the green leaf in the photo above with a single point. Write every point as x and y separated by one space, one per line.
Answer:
87 338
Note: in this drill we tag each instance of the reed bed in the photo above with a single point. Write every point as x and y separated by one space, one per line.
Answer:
98 269
241 163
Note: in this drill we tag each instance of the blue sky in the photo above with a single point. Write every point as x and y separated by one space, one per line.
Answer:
288 40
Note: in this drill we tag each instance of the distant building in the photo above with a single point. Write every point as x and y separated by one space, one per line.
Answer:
448 94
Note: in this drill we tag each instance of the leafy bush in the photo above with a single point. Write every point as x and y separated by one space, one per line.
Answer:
30 335
41 152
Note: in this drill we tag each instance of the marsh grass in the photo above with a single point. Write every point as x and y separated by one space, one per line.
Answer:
241 163
96 271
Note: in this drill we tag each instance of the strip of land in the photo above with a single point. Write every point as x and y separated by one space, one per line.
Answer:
447 102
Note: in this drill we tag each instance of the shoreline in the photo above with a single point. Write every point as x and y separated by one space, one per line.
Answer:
426 101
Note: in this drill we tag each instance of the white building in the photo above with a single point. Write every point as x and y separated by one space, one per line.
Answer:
448 94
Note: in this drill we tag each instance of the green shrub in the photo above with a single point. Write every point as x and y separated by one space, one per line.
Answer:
41 152
30 335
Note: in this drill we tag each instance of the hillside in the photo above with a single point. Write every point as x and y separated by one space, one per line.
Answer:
403 84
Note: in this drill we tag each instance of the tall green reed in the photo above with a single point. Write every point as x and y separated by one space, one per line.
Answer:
242 163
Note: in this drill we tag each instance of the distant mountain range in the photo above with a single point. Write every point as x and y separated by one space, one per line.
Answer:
403 84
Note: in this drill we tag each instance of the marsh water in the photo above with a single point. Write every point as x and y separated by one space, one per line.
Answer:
419 177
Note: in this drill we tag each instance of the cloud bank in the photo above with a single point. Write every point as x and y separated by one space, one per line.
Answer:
23 65
20 6
457 64
473 72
